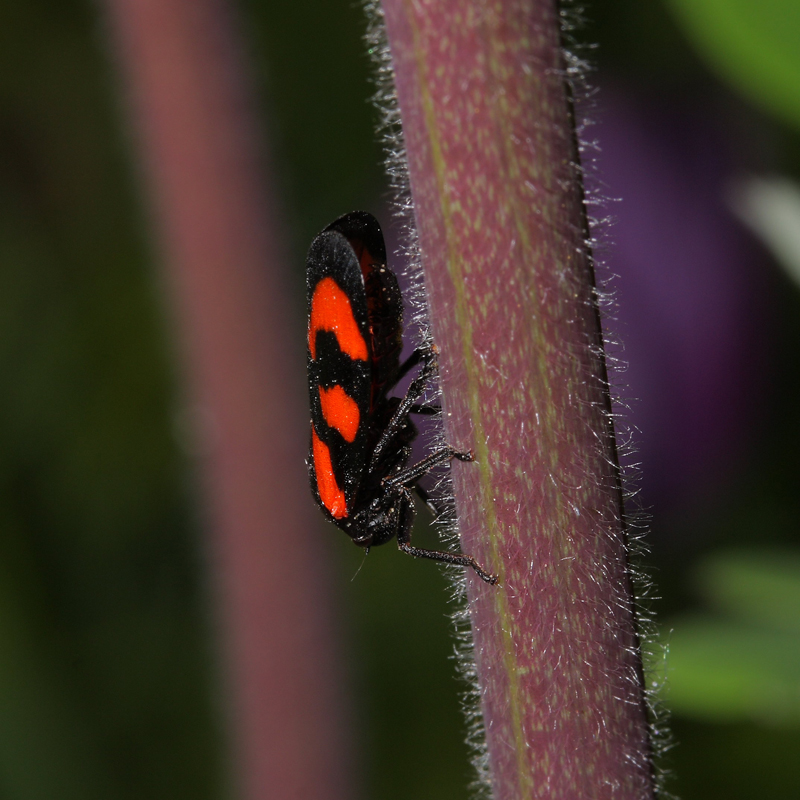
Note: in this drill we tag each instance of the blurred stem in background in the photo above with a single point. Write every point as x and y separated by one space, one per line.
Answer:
497 201
105 671
220 235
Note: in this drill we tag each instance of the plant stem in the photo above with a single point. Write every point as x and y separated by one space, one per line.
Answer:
243 348
498 205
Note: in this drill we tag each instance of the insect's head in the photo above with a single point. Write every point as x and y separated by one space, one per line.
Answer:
358 529
364 540
376 522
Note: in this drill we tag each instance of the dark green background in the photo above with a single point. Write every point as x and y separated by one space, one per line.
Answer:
108 671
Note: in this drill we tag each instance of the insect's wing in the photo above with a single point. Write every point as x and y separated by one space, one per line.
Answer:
339 372
384 301
364 233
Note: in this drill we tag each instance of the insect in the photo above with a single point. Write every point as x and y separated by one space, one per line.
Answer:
360 435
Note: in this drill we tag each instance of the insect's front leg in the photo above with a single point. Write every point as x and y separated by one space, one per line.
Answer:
406 519
424 355
415 390
425 410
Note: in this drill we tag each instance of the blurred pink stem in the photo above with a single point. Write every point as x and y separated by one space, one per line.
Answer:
226 267
498 206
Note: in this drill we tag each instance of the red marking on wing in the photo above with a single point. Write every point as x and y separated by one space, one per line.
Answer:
331 311
331 495
340 411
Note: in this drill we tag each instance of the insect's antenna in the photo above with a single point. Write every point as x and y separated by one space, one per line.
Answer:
366 553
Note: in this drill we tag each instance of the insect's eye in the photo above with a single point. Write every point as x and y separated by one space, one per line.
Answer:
378 507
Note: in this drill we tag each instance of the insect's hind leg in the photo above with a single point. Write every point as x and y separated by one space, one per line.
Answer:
404 543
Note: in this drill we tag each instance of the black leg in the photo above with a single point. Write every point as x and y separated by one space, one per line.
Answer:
412 474
404 543
426 498
420 354
415 390
425 410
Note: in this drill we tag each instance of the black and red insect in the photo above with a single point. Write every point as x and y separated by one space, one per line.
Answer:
360 435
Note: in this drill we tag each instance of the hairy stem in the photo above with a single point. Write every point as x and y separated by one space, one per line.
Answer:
499 211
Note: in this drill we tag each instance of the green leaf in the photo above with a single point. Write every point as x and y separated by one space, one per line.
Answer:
744 663
726 672
754 46
758 586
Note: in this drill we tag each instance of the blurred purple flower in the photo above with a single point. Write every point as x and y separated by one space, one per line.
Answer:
690 294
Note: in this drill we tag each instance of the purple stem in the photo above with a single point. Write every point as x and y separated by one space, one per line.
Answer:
498 208
225 264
